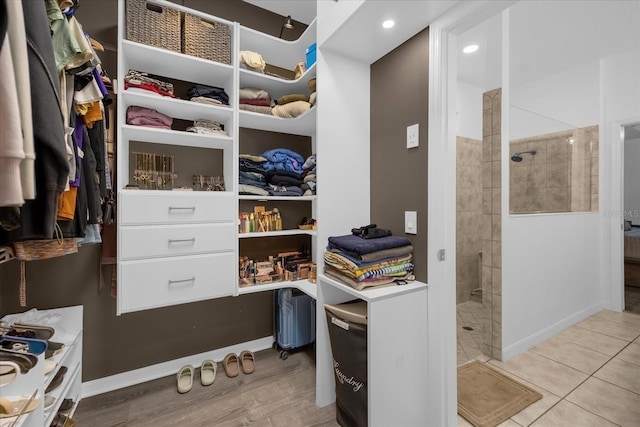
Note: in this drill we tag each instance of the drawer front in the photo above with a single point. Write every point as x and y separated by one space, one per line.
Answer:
176 207
166 240
147 284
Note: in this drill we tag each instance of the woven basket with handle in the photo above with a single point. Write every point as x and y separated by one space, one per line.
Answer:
206 39
153 25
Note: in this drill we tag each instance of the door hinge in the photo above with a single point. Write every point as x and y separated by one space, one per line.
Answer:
441 255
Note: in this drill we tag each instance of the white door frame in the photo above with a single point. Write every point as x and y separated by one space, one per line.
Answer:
614 218
442 364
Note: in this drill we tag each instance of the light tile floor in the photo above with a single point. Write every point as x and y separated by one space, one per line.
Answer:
589 374
469 332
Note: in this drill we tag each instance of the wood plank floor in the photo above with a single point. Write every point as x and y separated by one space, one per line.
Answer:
278 393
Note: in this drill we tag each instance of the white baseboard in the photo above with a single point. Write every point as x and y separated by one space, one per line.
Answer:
148 373
543 335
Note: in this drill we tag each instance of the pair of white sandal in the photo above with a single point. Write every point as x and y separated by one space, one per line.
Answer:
184 377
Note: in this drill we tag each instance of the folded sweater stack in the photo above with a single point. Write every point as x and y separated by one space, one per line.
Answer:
365 263
255 100
141 116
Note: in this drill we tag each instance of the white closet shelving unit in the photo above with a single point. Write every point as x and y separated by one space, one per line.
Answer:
182 246
68 331
283 54
176 246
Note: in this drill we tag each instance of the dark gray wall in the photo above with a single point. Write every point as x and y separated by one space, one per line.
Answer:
115 344
399 98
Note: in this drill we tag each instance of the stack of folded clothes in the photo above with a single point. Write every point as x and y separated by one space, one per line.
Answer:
141 116
208 95
253 176
292 105
207 127
145 83
364 260
284 171
309 176
255 100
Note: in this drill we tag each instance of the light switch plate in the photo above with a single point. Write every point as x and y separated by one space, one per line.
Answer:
411 222
413 135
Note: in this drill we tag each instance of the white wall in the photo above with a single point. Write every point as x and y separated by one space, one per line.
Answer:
343 164
632 180
332 15
560 268
469 110
562 101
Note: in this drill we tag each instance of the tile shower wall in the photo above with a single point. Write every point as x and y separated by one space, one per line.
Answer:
468 216
491 223
561 177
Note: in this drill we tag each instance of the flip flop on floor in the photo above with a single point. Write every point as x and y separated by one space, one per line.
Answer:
248 362
230 364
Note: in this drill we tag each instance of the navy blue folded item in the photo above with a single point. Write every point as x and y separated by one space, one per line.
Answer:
212 92
362 246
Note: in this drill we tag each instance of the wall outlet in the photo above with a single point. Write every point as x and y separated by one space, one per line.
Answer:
411 222
413 135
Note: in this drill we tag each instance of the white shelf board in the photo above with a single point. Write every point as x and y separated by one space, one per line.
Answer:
166 63
178 108
374 294
278 198
303 285
125 192
276 51
277 87
294 232
304 124
173 137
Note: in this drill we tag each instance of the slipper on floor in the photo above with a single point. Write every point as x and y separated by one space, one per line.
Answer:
248 362
184 379
208 372
230 364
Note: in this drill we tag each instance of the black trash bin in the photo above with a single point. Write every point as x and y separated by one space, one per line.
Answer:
348 335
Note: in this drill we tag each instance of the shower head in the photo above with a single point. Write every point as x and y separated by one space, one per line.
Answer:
518 156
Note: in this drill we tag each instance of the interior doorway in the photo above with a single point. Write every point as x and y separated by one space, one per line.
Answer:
631 214
478 209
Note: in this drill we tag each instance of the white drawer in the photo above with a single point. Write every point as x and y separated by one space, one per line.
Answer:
166 240
175 207
147 284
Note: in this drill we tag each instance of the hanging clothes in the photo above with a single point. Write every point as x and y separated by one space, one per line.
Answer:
38 216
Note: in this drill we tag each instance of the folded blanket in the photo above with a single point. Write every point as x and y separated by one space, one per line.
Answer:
281 190
250 189
141 116
291 110
377 283
282 159
285 99
262 102
254 158
368 270
255 108
253 93
211 92
362 246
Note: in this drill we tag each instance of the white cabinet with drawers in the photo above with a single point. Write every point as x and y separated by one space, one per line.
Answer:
176 243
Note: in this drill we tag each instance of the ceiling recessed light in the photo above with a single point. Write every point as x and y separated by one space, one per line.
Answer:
388 23
470 49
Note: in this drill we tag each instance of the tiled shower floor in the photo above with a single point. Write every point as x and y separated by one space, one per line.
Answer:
469 315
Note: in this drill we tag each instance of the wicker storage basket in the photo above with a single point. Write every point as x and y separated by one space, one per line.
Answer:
206 40
154 25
